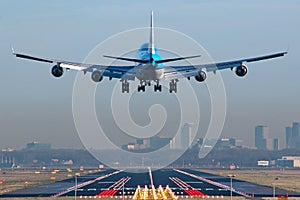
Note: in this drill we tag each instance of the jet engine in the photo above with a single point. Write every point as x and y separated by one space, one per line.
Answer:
241 71
201 76
97 76
57 71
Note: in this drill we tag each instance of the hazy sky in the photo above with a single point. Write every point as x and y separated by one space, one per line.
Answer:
35 106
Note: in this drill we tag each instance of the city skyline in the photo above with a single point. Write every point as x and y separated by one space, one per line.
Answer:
262 140
265 139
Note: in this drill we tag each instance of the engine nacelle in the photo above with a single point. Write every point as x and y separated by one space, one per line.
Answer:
97 76
57 71
201 76
241 71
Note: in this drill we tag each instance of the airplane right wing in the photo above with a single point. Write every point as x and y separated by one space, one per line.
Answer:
176 72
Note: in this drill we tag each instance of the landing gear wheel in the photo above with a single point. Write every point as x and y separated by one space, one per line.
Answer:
141 88
157 88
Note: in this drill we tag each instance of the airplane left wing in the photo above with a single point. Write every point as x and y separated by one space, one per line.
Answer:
176 72
109 71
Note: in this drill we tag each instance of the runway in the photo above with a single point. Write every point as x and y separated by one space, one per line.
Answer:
183 182
181 185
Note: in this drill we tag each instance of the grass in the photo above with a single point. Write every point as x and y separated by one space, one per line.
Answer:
20 179
284 179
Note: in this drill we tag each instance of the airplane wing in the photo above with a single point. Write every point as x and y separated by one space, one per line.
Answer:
109 71
176 72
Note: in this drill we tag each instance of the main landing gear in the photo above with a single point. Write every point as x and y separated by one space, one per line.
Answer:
125 86
173 86
143 84
157 87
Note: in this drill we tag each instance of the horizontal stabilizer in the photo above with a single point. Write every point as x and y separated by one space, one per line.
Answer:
156 61
176 59
128 59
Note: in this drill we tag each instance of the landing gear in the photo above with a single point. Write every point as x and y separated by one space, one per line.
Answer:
157 87
125 86
141 88
173 86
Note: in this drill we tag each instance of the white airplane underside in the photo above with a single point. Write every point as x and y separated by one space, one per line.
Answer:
150 67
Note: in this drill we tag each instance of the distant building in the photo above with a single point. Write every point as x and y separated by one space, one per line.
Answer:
7 158
263 163
292 136
295 139
152 143
223 143
38 146
159 142
172 143
186 136
199 142
295 130
288 136
232 141
288 161
276 144
226 143
262 140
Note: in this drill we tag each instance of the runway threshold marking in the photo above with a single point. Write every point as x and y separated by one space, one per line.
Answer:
213 183
73 188
186 187
114 188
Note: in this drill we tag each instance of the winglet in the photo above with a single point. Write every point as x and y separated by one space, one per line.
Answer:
13 51
287 50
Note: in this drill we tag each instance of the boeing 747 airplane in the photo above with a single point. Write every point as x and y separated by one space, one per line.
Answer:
149 67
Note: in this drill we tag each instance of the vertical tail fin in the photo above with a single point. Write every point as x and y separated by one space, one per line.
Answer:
151 42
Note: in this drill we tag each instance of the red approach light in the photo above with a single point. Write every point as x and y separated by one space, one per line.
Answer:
1 182
26 182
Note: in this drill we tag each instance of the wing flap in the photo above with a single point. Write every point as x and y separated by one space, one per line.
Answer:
119 75
180 74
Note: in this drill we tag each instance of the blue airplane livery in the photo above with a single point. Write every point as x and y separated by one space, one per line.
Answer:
149 67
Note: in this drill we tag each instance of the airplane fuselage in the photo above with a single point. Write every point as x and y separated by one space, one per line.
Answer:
150 71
